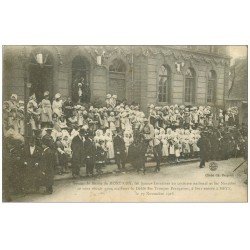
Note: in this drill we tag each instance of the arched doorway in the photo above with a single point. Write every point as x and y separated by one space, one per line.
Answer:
80 74
41 73
117 80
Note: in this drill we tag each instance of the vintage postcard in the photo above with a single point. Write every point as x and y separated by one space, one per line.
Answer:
125 123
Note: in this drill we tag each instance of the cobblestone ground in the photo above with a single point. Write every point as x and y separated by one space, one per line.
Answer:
229 186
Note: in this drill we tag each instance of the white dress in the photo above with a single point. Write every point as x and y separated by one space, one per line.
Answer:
110 147
165 146
111 121
57 107
171 149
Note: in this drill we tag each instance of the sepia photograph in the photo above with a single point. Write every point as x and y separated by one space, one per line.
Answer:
124 123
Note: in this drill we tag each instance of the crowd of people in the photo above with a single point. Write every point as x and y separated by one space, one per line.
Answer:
64 135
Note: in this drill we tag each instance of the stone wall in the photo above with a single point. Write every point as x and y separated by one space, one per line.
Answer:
141 75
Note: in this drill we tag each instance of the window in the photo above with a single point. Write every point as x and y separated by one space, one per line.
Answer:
164 84
190 85
117 66
117 79
211 86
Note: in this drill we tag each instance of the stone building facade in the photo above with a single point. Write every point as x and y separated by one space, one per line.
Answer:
161 75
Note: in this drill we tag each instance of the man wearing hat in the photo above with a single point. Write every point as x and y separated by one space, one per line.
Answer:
33 157
120 149
48 139
47 167
147 130
204 146
77 152
68 107
89 152
16 153
38 137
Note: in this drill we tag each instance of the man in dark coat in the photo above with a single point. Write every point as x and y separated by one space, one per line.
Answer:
47 167
6 197
17 176
89 154
137 153
77 153
33 158
38 137
68 108
204 145
100 157
215 145
48 139
120 150
226 145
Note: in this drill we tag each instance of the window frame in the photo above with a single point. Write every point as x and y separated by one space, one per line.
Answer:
192 86
211 85
165 85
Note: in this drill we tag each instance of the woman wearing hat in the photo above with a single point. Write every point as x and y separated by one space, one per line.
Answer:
33 112
113 101
108 101
57 105
46 111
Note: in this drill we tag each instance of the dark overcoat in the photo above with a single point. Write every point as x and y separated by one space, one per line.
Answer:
77 150
47 168
33 166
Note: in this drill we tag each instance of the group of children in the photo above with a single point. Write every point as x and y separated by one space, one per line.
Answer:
176 128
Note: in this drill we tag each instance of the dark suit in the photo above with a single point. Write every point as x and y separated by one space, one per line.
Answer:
89 155
47 175
17 175
33 167
77 154
120 151
204 145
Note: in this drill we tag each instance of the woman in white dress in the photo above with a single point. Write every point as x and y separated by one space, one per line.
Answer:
46 111
34 113
177 149
109 144
165 144
128 139
57 105
111 121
